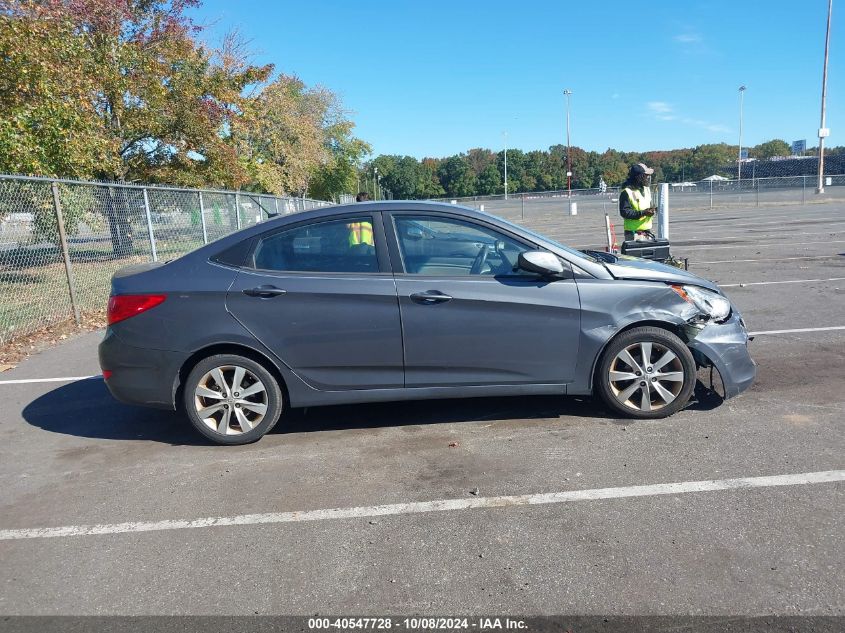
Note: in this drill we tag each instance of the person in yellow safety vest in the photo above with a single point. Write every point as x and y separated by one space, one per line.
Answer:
635 204
361 232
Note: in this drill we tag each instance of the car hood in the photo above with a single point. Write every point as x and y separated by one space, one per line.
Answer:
624 267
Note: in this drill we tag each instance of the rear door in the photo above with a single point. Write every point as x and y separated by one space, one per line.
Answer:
321 296
469 317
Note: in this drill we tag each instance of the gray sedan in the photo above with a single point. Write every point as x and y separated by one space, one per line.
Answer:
408 300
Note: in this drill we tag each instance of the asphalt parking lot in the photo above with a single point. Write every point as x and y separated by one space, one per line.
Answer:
523 505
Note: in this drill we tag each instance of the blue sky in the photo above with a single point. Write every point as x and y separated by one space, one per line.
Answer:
433 77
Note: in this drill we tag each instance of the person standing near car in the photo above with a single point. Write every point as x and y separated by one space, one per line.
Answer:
635 204
360 232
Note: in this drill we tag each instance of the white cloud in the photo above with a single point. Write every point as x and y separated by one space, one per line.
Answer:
663 111
659 107
688 38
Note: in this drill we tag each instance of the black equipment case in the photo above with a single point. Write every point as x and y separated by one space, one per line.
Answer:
658 250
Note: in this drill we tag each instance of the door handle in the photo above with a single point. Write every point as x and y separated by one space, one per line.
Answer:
265 292
430 297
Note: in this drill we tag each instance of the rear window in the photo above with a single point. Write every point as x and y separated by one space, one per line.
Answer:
335 246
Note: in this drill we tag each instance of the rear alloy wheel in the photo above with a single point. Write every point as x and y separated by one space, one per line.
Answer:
231 399
646 372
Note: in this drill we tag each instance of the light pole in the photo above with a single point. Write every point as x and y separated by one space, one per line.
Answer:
505 135
568 94
823 131
739 156
375 183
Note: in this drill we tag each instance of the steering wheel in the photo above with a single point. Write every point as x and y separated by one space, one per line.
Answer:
480 260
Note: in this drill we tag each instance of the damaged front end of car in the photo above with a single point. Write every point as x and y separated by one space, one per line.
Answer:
717 337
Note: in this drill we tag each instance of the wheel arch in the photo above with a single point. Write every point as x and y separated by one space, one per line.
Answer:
675 328
227 348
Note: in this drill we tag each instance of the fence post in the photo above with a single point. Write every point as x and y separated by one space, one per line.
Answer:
276 198
663 211
757 190
238 209
71 285
202 220
523 206
150 225
803 189
711 194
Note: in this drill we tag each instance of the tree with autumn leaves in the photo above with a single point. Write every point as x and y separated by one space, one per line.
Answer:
123 90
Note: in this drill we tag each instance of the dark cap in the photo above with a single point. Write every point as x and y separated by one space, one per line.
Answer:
641 168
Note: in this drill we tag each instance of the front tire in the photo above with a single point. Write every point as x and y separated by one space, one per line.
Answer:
232 399
646 373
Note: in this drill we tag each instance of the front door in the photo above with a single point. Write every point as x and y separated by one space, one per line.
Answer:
469 317
321 297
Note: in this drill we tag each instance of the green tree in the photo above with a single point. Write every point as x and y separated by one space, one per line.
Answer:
712 159
117 91
280 138
457 177
770 149
402 177
429 181
48 121
489 181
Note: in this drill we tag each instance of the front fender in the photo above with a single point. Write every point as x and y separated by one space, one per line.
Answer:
611 306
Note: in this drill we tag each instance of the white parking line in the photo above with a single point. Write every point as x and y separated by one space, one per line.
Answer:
785 281
753 246
31 380
798 330
767 259
442 505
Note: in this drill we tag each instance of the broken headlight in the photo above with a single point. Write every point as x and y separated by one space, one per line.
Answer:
710 303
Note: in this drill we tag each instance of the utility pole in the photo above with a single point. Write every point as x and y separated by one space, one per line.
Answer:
375 183
505 134
739 157
568 94
823 131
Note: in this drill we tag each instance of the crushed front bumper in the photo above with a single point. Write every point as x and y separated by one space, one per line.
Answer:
725 346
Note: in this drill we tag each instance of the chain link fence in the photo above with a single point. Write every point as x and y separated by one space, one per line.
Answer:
717 192
61 240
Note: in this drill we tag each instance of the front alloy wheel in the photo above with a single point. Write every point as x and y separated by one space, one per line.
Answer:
646 376
646 372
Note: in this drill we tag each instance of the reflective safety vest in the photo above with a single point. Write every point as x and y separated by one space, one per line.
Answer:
640 201
360 233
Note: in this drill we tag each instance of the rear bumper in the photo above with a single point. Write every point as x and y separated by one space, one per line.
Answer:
725 345
145 377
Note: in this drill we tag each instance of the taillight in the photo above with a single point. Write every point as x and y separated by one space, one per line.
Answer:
107 374
122 307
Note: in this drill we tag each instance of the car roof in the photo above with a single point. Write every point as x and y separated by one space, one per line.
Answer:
382 205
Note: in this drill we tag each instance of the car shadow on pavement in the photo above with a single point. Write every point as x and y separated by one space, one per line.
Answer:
423 412
85 408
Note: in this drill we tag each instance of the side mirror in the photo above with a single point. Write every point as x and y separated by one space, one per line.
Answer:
540 262
414 233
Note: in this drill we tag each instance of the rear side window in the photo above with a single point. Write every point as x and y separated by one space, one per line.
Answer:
335 246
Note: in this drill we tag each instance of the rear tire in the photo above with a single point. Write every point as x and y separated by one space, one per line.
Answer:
231 399
646 373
